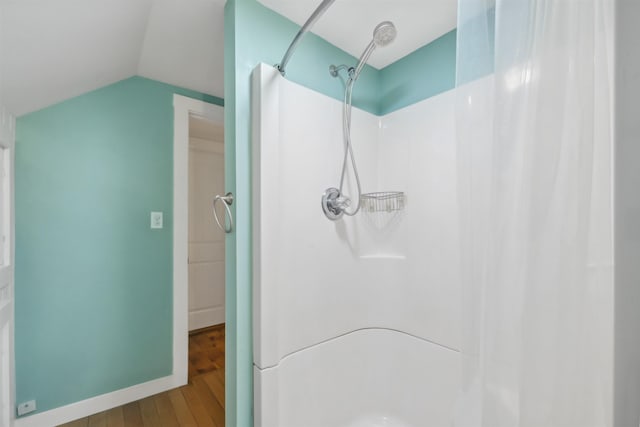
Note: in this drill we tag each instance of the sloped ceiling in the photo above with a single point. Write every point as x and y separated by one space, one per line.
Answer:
349 24
52 50
184 45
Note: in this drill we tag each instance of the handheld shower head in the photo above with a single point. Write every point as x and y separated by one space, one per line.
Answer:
384 33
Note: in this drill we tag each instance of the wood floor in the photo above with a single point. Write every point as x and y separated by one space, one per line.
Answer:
199 403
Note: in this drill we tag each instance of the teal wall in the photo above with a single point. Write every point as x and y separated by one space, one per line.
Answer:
255 34
424 73
93 281
476 33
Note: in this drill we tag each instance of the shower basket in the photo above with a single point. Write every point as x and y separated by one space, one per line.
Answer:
383 201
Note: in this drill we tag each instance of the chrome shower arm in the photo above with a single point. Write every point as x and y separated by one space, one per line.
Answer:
306 27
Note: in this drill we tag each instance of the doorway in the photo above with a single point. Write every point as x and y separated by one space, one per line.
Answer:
198 246
206 261
206 240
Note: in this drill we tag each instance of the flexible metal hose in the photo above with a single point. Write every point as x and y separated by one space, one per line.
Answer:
348 149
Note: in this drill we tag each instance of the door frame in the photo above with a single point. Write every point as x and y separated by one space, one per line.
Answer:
183 108
7 272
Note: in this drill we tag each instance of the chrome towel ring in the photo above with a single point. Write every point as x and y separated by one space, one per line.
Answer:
227 201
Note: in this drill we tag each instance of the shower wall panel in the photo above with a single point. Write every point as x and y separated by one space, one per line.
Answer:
417 154
307 284
354 320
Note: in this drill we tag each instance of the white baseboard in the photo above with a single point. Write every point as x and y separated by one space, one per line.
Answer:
204 318
87 407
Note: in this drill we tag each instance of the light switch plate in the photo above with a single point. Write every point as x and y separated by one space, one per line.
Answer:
156 219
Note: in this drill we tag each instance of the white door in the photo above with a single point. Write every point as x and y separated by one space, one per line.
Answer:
7 137
206 240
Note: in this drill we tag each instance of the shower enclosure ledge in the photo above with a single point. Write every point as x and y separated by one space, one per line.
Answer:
379 421
370 377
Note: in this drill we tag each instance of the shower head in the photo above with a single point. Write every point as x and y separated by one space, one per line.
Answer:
384 33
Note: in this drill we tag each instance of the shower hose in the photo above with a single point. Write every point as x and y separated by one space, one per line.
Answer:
348 148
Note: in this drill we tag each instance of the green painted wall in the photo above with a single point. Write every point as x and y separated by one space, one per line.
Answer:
424 73
476 33
93 281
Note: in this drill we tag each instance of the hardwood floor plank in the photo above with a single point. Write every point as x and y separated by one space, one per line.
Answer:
220 375
165 410
149 413
82 422
196 406
194 344
214 385
115 417
206 351
98 420
181 409
132 415
211 404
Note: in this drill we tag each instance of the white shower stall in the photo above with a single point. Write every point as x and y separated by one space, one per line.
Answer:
357 321
488 299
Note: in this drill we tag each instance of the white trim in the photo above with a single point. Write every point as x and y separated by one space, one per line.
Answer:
208 317
183 107
7 310
84 408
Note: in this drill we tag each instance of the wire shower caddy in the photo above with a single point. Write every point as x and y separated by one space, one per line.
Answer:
383 201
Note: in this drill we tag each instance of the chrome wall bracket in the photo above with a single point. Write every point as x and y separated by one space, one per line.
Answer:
334 204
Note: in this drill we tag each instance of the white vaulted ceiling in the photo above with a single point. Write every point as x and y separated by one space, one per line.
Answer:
184 44
52 50
349 24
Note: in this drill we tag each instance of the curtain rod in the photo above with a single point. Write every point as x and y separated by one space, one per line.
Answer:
306 27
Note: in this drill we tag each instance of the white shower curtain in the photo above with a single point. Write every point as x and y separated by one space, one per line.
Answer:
534 145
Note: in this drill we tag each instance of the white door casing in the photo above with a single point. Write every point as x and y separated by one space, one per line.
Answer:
206 240
7 251
183 108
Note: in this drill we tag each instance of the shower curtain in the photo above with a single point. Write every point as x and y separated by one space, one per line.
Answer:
533 119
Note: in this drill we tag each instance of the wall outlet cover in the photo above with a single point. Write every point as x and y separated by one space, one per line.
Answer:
156 219
26 407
